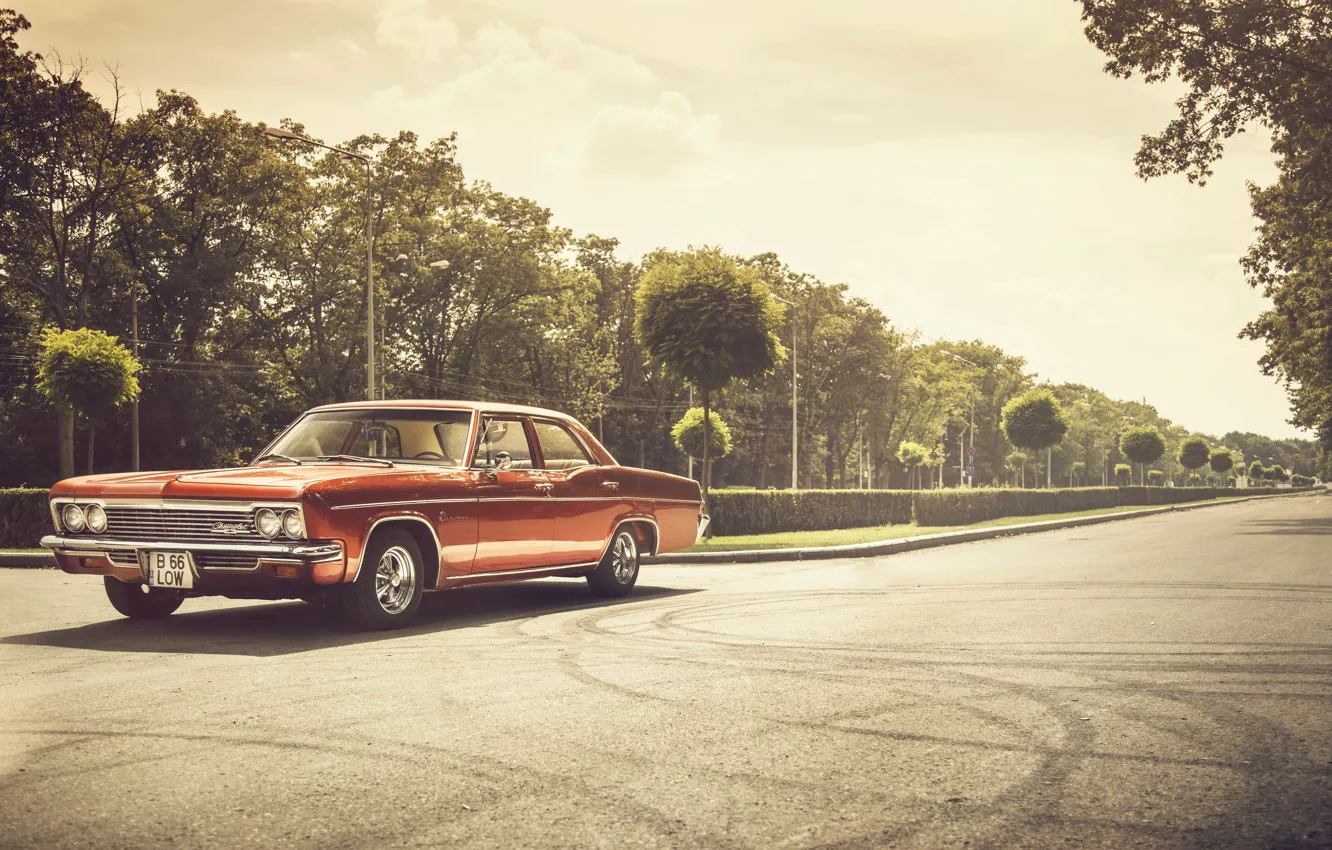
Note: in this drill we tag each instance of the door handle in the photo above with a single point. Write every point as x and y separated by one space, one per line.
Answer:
544 486
614 485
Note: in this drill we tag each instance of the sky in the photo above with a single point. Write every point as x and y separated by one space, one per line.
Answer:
965 165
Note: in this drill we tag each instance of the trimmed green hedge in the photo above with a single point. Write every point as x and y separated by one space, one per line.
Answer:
24 518
768 511
765 511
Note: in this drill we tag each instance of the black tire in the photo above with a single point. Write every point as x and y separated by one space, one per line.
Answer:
618 570
371 604
141 602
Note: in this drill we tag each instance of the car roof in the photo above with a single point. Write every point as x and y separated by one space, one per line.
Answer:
445 404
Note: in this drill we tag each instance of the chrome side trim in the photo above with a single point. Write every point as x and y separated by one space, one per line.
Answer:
405 502
524 571
81 545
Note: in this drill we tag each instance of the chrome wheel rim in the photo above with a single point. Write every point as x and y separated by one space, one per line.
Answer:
395 580
624 558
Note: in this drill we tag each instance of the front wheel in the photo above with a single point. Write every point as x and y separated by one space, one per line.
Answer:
618 570
141 602
388 587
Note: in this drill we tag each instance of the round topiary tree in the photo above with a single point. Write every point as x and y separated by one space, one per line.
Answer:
1256 471
88 372
913 456
1123 474
1279 473
709 319
1155 477
1221 461
1075 473
1194 454
1142 445
1035 421
688 435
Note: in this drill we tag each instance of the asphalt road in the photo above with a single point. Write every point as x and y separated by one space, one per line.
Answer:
1159 682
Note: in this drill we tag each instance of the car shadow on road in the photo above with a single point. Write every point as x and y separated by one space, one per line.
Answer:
282 628
1312 525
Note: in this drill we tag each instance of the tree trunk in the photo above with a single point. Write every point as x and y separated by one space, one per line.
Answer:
65 439
707 444
1049 464
92 432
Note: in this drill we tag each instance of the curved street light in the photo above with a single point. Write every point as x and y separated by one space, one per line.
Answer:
288 136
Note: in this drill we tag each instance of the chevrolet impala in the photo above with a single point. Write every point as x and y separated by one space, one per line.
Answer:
367 505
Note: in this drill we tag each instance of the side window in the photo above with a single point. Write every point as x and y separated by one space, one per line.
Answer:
559 449
502 435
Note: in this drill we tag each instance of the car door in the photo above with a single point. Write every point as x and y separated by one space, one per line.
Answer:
587 496
515 510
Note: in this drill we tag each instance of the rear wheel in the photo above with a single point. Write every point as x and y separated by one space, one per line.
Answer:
388 587
618 570
141 602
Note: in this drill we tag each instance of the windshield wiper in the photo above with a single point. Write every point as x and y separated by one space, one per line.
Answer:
358 459
274 456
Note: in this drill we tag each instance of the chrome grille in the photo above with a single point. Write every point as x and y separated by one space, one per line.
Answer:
225 560
175 525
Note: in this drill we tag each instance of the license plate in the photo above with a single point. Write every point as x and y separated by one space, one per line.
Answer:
169 569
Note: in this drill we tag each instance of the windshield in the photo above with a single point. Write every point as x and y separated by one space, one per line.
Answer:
435 437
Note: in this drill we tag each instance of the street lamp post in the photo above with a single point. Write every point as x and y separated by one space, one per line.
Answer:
287 135
795 398
971 429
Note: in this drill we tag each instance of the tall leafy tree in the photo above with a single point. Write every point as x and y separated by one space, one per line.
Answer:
709 319
87 372
1194 454
1143 445
1034 420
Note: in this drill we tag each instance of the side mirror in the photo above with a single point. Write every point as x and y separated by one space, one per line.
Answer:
501 462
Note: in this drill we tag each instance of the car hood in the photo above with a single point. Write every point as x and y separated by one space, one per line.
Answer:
267 482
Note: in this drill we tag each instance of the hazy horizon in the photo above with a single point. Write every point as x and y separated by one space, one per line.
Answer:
967 169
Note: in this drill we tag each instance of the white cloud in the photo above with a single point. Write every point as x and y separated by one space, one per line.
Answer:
351 45
649 142
408 24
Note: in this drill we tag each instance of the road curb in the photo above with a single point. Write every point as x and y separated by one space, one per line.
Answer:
28 560
930 541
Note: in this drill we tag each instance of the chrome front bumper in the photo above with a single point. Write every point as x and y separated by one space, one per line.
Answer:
100 545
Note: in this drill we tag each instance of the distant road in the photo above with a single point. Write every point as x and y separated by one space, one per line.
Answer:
1159 682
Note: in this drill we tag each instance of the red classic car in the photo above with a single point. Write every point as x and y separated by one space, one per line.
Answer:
367 505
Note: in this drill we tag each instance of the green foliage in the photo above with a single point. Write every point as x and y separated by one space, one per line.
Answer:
1155 477
766 511
912 455
1123 473
87 370
1278 473
708 318
1034 420
1194 453
1078 469
1142 444
688 435
1256 470
24 517
1221 461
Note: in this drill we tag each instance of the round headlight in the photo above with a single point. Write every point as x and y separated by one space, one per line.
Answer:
74 518
292 525
96 518
267 522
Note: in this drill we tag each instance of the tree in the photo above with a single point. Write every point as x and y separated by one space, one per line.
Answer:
1194 454
1221 462
1017 464
1123 473
89 373
1035 421
913 456
1256 471
1278 473
688 435
1075 472
1142 444
711 320
1244 63
1156 477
